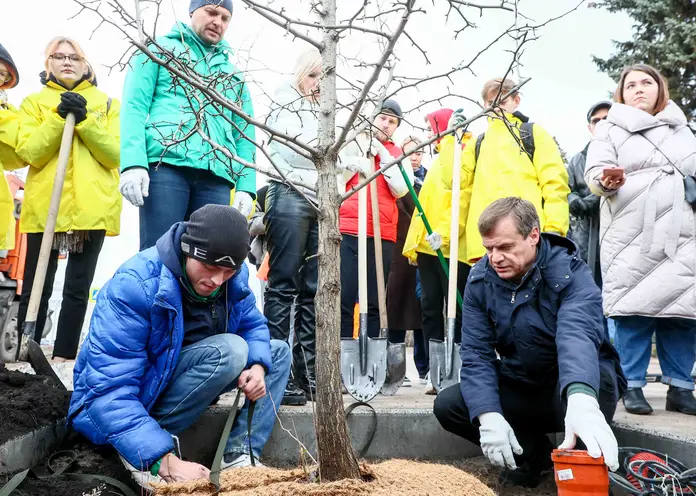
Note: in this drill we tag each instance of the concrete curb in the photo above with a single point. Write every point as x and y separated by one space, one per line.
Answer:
401 433
27 451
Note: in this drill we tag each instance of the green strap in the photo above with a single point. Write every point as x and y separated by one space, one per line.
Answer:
220 452
13 483
429 229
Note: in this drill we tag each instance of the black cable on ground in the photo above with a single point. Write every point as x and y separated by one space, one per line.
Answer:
645 472
373 430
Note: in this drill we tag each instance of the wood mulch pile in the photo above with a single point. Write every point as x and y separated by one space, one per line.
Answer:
379 479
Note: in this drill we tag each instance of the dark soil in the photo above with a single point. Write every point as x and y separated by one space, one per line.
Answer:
81 458
27 402
488 474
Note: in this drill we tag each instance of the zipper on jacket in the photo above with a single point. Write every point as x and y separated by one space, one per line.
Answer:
212 309
512 300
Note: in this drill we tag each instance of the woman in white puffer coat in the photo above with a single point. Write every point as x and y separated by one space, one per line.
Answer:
647 234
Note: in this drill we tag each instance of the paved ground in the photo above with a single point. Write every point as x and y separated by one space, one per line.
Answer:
661 422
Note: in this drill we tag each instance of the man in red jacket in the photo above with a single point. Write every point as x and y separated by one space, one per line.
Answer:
390 186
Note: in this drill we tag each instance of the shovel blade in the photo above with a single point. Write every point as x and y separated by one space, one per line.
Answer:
438 357
40 363
363 387
396 368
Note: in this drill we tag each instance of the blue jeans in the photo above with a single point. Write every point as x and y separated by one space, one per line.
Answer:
676 348
175 193
211 367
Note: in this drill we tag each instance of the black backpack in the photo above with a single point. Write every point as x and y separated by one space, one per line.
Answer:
526 136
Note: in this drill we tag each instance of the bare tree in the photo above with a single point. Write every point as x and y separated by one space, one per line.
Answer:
378 23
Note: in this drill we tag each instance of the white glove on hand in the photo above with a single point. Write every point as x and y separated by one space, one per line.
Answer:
457 118
243 203
585 420
377 149
434 240
498 441
135 185
356 165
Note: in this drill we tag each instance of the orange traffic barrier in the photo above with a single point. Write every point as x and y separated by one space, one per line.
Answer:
578 474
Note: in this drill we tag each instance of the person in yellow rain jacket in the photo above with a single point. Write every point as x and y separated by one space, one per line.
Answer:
8 140
504 168
90 206
436 201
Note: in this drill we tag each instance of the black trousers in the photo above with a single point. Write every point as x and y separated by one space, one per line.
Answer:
292 237
349 283
434 297
532 412
78 279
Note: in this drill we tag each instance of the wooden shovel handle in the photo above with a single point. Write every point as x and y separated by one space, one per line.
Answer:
379 261
454 231
49 230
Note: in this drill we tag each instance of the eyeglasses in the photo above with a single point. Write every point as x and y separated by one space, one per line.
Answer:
595 120
60 57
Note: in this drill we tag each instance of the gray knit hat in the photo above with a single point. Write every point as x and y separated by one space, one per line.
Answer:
197 4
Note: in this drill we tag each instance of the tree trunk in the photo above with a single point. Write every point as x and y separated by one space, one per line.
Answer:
336 457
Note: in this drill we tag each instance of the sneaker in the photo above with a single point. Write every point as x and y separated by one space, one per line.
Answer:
293 395
142 478
234 460
429 388
406 383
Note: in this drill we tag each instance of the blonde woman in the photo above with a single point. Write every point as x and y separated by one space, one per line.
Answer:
90 207
292 228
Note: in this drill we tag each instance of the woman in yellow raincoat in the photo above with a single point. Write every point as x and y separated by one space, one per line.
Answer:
8 140
90 206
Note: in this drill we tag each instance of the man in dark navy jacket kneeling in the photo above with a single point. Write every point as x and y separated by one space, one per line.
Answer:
532 300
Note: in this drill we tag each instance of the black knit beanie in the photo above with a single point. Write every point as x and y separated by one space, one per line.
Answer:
217 235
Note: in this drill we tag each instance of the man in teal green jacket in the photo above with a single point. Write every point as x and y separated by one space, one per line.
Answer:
170 164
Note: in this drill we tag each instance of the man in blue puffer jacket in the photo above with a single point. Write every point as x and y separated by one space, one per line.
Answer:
174 328
536 358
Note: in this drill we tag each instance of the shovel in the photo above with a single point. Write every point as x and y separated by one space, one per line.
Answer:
445 361
363 360
36 357
396 353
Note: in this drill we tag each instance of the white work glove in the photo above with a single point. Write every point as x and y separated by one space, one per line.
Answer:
434 240
585 420
243 202
3 99
135 185
457 118
353 158
498 441
377 149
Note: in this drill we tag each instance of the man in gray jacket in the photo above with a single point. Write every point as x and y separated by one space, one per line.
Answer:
583 205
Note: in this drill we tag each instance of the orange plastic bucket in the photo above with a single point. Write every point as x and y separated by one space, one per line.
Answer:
578 474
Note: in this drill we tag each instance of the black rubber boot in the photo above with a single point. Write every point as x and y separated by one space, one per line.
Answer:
293 396
634 401
681 400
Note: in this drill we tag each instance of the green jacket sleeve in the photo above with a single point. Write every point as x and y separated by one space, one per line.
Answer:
103 141
553 179
38 139
9 126
246 176
138 92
